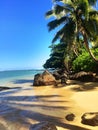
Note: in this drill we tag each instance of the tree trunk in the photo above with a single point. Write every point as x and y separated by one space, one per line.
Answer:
87 47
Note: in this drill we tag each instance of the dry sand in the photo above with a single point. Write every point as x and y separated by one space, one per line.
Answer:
27 105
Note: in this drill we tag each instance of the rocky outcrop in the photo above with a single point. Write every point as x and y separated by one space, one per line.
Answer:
56 75
70 117
46 78
61 75
90 119
43 126
2 88
83 76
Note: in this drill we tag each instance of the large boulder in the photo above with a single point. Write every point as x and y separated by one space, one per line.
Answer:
43 126
83 76
46 78
90 119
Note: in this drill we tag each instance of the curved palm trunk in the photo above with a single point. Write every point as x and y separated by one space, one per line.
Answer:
87 47
75 51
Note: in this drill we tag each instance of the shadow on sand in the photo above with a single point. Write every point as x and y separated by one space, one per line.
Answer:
17 114
85 86
9 91
38 117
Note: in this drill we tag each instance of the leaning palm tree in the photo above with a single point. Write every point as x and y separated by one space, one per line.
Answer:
75 19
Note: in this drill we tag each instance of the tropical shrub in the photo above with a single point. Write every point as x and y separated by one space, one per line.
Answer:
85 63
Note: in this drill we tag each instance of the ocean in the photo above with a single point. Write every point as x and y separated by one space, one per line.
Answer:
11 75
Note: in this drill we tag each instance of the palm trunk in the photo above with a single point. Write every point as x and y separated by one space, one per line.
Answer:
87 47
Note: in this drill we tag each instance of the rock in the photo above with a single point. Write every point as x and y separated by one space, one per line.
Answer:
90 119
43 126
37 80
56 75
70 117
83 76
4 88
61 75
44 79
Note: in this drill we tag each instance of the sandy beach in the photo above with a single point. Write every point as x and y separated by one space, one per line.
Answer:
26 105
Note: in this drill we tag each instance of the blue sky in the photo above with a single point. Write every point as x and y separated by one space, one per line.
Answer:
24 36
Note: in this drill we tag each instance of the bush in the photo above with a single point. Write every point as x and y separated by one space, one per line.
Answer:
85 63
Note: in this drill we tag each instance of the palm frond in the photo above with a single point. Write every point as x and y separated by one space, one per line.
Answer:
58 9
55 23
92 2
69 32
68 7
93 13
66 34
64 1
57 0
57 36
82 8
49 14
94 26
91 28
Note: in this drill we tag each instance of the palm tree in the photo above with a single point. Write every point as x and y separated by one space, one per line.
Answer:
60 57
57 55
75 19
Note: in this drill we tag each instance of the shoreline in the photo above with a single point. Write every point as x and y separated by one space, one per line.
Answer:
29 105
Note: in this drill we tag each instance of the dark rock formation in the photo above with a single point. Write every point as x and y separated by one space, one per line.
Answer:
56 75
46 78
83 76
61 75
4 88
43 126
90 119
70 117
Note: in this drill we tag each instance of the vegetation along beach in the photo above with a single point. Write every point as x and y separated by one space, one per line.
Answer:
49 80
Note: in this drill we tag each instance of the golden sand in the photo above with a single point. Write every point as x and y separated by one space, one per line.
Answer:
28 105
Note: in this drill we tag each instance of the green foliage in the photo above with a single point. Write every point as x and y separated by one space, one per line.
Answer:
85 63
60 57
77 25
71 16
74 19
56 59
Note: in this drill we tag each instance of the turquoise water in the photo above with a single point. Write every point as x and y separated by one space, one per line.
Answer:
8 76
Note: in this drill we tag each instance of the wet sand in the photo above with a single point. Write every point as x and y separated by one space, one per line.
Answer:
26 105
